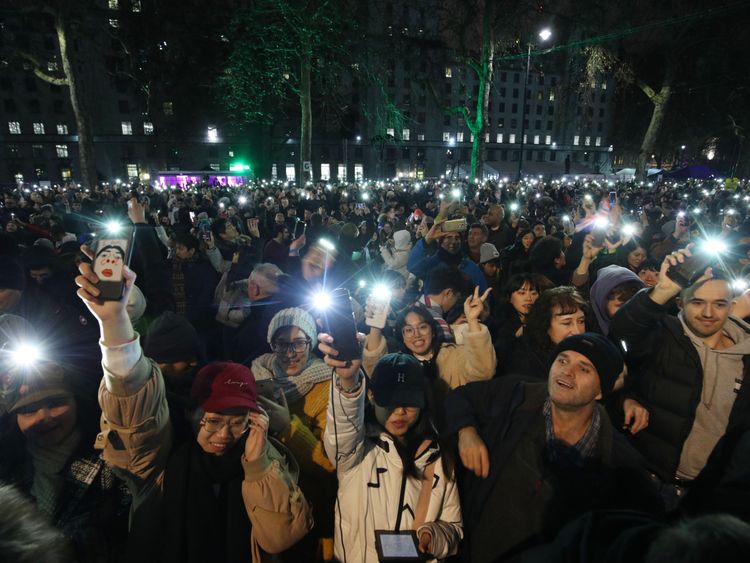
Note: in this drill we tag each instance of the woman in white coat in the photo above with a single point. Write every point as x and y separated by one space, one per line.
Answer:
392 473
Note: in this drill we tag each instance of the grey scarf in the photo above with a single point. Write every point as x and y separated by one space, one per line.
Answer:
295 387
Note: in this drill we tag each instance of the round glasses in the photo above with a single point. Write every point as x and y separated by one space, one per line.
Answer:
297 346
411 331
237 427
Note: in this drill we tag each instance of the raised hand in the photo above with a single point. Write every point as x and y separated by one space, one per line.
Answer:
89 293
279 416
256 440
474 304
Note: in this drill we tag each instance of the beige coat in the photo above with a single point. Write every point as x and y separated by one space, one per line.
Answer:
136 437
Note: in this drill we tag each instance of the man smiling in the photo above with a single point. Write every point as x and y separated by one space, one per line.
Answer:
539 454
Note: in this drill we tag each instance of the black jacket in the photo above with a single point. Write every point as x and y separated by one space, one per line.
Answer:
667 378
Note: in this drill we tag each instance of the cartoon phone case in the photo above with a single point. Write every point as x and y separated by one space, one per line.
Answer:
110 255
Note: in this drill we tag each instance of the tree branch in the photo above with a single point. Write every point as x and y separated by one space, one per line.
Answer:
37 69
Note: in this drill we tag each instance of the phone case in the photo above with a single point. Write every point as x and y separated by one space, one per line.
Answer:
685 274
454 225
110 255
380 313
339 323
397 546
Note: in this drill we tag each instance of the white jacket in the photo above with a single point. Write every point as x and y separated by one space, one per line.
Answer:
370 477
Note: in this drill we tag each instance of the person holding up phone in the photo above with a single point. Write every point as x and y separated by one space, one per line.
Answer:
395 481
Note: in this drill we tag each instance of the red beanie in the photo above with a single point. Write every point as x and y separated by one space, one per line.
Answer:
221 386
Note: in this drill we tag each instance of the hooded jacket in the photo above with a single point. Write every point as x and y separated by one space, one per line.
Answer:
606 280
373 491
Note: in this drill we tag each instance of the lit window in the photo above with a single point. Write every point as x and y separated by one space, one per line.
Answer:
604 85
446 136
168 108
548 139
290 176
66 173
448 169
148 129
215 166
342 172
52 66
62 129
127 127
448 72
274 172
14 127
114 4
486 137
405 134
213 134
576 140
132 170
390 131
135 5
460 137
38 128
358 172
420 137
325 171
587 142
231 154
471 137
536 139
551 95
499 137
525 139
62 151
512 138
598 142
114 22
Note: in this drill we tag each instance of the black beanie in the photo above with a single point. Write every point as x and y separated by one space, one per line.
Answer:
171 338
11 274
605 356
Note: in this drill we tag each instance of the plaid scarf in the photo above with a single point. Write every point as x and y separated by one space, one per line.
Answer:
565 455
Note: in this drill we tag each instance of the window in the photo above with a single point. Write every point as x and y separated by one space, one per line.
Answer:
604 85
14 127
405 135
52 66
515 92
525 138
603 98
391 132
113 4
471 137
325 171
420 137
460 137
37 151
513 123
576 140
486 137
537 124
539 110
549 126
342 172
132 170
358 172
212 134
405 153
274 171
38 128
6 84
499 137
62 151
539 96
62 129
290 176
536 139
501 107
501 122
551 95
548 139
598 142
114 22
550 110
127 127
135 5
448 72
514 108
516 77
168 108
446 136
512 138
13 150
503 76
587 142
148 129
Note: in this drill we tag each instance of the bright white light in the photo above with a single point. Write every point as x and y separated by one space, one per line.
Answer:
25 355
441 196
113 227
680 213
362 283
322 300
628 230
713 246
545 34
566 218
456 193
514 207
221 205
740 284
697 211
731 212
710 154
326 244
601 223
588 197
213 134
365 196
242 199
381 292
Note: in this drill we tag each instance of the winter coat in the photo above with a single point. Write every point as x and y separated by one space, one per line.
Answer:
373 490
607 279
136 436
668 380
421 263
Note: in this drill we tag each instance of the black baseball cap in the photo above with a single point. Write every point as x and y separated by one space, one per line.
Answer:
398 381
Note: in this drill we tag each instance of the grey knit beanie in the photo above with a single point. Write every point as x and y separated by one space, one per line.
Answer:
293 316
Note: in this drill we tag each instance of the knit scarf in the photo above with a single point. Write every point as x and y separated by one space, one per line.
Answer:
297 386
49 477
204 514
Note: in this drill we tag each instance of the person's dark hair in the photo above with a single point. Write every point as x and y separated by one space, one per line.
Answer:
715 537
544 253
517 281
539 318
445 278
649 264
119 250
187 240
393 278
522 233
316 220
26 536
218 227
625 290
482 227
426 316
278 229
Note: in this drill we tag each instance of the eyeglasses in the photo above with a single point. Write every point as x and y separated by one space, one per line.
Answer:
411 331
297 346
237 427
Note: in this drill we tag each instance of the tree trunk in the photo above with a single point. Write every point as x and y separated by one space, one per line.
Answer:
305 133
86 152
660 101
483 96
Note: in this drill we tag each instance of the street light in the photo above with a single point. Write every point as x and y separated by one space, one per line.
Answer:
544 35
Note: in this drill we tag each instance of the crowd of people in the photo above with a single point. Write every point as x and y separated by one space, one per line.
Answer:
541 370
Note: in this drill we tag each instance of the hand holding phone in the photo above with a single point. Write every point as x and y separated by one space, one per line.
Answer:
111 254
338 321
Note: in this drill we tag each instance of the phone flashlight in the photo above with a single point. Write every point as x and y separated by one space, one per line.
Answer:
25 355
628 230
514 207
113 227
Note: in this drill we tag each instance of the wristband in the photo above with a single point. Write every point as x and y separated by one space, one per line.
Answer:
353 389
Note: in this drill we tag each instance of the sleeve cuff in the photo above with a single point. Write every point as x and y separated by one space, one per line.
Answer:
119 361
257 468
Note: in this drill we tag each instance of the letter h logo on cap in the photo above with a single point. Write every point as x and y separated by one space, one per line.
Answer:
401 378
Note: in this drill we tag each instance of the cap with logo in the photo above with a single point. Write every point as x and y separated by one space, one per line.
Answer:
225 386
398 381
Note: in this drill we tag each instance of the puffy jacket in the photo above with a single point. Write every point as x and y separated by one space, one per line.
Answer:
371 479
421 263
668 381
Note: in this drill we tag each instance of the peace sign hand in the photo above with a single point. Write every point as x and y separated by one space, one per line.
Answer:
474 305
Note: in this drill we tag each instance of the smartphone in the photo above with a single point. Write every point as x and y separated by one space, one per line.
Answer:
612 199
296 233
360 206
110 255
338 321
379 304
454 225
598 234
397 546
192 216
265 388
692 268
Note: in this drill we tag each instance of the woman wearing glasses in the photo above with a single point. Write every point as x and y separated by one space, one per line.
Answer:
447 365
229 495
293 388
